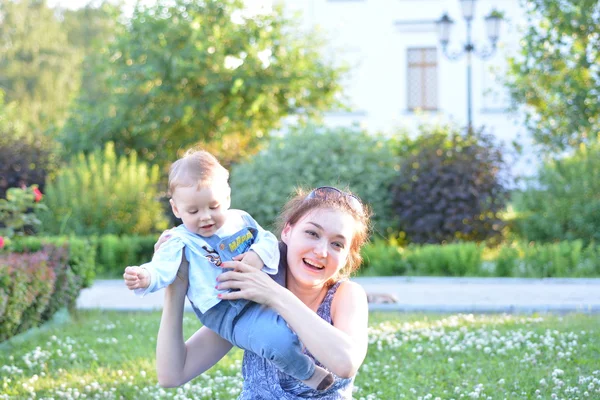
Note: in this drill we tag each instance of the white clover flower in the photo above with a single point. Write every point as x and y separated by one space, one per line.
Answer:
557 372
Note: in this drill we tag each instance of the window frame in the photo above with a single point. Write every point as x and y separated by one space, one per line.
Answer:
422 66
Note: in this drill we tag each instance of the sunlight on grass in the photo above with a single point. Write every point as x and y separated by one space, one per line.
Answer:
110 355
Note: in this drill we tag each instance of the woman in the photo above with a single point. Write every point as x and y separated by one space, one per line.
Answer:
321 233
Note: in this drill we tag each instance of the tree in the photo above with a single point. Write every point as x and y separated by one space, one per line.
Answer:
556 76
91 29
38 68
188 72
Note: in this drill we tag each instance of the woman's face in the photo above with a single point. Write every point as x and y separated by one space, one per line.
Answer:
318 245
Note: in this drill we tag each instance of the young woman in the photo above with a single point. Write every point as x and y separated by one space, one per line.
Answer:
321 235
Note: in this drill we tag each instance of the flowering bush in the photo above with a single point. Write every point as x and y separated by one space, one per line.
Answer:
27 159
37 195
17 211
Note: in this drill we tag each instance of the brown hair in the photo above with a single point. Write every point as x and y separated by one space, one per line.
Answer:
196 167
299 205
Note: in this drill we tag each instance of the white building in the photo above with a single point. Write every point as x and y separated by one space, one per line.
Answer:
400 77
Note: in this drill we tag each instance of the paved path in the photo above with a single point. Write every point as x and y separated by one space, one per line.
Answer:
446 295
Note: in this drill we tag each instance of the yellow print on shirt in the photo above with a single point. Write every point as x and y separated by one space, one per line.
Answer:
237 242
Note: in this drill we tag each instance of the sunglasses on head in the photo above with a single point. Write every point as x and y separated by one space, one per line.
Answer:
325 192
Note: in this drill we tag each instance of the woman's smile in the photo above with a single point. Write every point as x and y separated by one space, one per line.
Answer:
313 264
318 244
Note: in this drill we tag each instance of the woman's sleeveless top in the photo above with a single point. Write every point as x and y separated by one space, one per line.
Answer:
262 381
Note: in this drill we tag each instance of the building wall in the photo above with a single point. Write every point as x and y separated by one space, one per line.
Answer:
373 37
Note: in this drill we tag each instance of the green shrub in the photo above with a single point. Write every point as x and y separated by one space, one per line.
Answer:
38 277
67 285
117 252
312 157
382 259
103 194
105 256
448 187
518 259
557 259
589 265
459 259
507 261
386 258
562 203
81 254
26 285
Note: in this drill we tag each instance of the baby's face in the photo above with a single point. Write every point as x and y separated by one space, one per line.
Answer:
203 210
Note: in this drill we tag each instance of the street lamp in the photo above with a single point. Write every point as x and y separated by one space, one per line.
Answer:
444 26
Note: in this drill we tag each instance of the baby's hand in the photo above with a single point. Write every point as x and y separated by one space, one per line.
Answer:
136 278
250 258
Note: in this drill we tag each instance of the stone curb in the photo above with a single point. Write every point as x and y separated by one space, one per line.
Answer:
414 294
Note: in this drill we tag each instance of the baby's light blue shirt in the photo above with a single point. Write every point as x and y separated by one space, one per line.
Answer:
239 234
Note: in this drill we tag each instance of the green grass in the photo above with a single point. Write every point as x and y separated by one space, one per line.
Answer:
110 355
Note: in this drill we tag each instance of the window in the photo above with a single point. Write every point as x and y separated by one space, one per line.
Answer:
422 81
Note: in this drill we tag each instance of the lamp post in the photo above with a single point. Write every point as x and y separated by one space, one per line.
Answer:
444 26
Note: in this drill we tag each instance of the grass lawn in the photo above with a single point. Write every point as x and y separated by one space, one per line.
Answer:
110 355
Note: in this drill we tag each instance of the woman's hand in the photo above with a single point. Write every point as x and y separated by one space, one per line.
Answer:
163 238
252 284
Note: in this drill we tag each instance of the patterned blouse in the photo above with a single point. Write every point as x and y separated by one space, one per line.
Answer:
262 381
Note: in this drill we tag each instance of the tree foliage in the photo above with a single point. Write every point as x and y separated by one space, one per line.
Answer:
556 75
91 29
449 187
187 72
38 69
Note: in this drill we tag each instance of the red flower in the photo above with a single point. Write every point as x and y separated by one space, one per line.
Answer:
37 194
1 242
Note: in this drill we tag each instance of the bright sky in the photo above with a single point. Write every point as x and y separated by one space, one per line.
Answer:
74 4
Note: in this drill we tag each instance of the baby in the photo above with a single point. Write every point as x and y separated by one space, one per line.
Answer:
210 234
